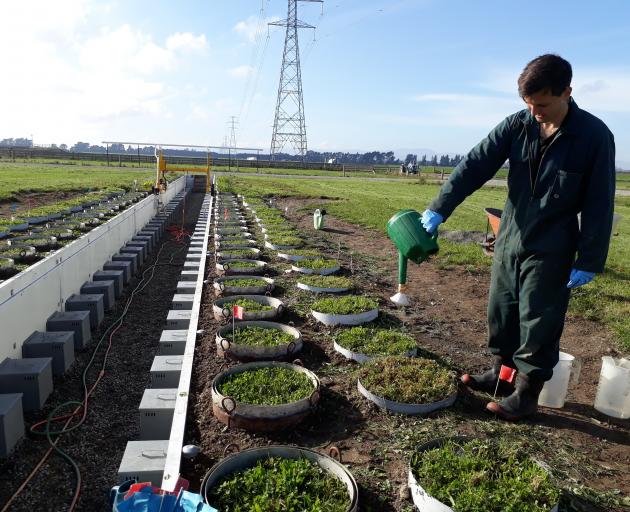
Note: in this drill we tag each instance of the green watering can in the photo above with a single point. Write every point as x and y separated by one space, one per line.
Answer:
413 243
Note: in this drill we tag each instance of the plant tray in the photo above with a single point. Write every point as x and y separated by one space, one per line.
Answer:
317 289
363 358
231 267
221 313
221 287
352 319
253 353
320 271
404 408
262 418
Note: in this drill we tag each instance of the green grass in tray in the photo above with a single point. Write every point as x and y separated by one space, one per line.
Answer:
304 252
375 342
243 264
317 263
238 252
484 476
244 282
247 305
267 386
285 240
259 337
348 305
276 484
324 281
407 379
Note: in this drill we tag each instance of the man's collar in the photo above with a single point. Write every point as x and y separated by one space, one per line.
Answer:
570 123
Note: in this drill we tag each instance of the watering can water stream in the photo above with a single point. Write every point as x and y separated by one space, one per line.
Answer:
413 243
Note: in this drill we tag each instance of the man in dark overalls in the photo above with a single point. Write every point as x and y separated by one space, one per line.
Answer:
562 162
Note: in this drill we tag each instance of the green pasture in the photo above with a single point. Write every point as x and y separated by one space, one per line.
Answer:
23 178
371 204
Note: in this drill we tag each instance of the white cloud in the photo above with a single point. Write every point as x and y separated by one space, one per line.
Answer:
253 27
186 41
241 71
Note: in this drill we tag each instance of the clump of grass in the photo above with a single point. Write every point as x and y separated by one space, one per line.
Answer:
237 253
375 342
286 241
408 380
247 305
348 305
267 386
277 484
484 476
317 263
258 336
243 264
324 281
304 252
244 282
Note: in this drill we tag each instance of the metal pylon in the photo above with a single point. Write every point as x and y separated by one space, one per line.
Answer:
289 124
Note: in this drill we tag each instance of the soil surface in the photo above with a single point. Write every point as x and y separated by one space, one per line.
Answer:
448 319
112 419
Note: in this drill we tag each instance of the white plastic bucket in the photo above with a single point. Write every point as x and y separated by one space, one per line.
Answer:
613 391
554 392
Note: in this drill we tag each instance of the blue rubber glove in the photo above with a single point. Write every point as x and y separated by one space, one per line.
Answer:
431 220
579 278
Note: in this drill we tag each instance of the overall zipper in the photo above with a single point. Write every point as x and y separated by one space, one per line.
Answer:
542 158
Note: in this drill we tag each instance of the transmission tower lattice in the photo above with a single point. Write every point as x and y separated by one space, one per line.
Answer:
233 124
289 124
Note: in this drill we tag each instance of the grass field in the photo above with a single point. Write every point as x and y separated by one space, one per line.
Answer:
371 204
20 178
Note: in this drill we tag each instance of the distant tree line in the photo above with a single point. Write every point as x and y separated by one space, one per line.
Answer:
369 158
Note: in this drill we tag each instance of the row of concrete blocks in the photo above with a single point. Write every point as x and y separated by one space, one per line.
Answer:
157 406
27 383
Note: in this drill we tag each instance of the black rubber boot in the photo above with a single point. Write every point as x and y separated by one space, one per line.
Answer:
520 404
487 381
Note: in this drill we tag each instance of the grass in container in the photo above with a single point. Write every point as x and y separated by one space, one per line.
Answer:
267 386
259 337
375 342
277 484
484 476
237 253
317 263
243 264
324 281
285 240
407 379
348 305
243 282
247 305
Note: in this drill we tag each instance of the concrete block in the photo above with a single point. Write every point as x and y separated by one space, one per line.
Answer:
11 422
193 256
186 287
165 371
182 301
76 321
145 238
93 303
126 256
125 266
178 319
189 275
138 251
118 276
153 232
144 245
192 265
105 288
59 346
32 377
156 413
143 461
173 342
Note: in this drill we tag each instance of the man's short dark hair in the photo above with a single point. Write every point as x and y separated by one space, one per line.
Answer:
548 72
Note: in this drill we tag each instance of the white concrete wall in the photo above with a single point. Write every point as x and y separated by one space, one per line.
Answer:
29 298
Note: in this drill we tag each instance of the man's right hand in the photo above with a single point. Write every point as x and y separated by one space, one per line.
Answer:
431 220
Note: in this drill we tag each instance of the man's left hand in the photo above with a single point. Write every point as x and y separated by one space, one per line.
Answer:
579 278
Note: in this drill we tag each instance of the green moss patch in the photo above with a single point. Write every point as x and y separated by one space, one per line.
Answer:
244 282
238 253
247 305
325 281
408 380
317 263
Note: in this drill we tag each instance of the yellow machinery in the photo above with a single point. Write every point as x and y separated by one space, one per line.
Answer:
163 167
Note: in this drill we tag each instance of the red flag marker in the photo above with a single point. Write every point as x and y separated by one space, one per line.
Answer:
507 374
238 311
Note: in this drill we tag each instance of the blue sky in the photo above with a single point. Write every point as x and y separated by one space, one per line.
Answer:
380 75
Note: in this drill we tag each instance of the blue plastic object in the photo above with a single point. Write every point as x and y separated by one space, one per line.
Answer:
145 500
579 278
431 220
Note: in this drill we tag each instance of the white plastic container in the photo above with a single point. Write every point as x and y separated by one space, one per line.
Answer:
554 392
613 392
